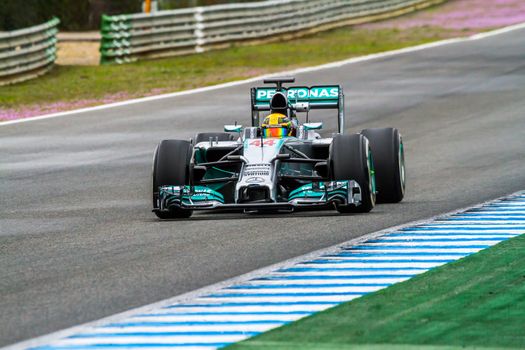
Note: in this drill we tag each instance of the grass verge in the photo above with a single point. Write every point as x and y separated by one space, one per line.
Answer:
476 302
87 86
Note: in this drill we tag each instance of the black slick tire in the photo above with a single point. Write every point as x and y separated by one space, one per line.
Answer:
389 162
171 168
351 159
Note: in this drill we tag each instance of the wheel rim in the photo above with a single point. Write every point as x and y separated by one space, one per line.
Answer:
401 159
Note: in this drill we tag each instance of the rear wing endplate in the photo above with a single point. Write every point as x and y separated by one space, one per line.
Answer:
318 97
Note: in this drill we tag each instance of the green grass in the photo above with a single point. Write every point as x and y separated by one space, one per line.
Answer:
93 84
475 302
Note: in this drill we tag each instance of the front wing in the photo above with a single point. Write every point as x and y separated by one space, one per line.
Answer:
318 194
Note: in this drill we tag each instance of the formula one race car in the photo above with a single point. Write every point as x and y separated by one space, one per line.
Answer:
279 163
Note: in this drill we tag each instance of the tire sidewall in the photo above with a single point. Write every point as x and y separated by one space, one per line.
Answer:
171 168
388 150
351 159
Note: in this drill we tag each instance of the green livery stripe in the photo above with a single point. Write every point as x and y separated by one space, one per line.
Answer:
172 194
307 191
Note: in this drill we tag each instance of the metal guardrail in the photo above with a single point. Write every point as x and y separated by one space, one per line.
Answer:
127 38
27 53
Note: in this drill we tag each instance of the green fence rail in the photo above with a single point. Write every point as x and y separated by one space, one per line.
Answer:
27 53
128 38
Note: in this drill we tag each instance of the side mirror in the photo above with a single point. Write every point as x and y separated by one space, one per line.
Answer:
283 156
313 126
233 128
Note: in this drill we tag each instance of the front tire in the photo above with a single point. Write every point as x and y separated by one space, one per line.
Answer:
389 161
171 168
351 159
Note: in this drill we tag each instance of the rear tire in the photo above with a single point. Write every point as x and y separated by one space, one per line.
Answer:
351 159
389 161
205 136
171 168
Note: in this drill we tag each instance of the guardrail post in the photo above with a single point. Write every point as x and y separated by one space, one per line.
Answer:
198 32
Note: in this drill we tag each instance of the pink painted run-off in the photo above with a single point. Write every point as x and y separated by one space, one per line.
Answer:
465 15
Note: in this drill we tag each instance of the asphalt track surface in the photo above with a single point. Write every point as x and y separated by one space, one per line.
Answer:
78 241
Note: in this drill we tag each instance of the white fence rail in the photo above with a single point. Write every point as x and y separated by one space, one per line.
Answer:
27 53
128 38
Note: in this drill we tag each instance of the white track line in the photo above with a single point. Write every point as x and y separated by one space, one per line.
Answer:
267 298
312 283
422 236
336 64
466 251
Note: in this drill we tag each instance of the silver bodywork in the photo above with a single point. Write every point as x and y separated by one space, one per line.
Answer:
267 173
261 161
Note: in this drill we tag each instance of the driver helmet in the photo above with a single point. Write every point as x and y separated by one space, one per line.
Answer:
277 125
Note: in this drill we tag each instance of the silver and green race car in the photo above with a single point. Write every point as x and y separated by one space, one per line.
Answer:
240 169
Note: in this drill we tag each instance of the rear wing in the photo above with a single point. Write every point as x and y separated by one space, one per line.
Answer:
317 97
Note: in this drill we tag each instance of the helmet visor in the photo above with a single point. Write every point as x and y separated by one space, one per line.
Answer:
275 132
